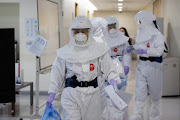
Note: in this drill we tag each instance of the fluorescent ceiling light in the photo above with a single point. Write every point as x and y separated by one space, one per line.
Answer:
120 7
120 4
120 0
120 10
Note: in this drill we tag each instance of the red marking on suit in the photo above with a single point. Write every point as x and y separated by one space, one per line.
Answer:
148 45
91 67
115 49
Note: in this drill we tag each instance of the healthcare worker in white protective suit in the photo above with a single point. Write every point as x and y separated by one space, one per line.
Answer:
109 110
98 25
150 46
118 44
78 64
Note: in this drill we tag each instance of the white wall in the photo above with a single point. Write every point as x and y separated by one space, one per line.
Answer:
149 7
9 18
171 15
125 19
28 9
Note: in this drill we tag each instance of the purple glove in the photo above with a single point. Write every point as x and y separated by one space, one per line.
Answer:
141 51
50 99
112 82
126 70
128 50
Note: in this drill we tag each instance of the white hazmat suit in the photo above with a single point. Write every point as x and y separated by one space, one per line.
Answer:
86 62
99 24
118 44
109 111
149 75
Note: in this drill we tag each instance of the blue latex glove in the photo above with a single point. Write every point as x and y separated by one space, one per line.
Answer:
128 50
141 51
123 83
50 99
126 70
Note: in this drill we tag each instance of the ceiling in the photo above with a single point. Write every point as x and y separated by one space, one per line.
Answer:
128 5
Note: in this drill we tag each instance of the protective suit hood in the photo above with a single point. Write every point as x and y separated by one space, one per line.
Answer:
116 39
146 27
99 25
146 33
75 53
145 16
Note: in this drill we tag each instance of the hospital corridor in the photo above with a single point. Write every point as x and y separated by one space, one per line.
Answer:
90 60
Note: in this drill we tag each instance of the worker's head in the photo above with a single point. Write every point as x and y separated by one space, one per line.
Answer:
98 24
81 31
124 31
145 18
113 25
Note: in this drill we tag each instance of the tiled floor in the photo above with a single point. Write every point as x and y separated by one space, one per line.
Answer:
170 106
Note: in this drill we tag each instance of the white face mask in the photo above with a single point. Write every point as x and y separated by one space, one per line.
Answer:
112 31
123 33
80 38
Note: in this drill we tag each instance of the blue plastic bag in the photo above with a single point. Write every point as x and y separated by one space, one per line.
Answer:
123 83
50 113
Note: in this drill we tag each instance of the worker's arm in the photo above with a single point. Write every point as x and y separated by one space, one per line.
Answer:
108 69
159 47
127 57
57 75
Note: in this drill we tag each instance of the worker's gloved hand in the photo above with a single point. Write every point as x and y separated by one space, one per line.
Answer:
113 83
50 99
128 50
141 51
126 70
